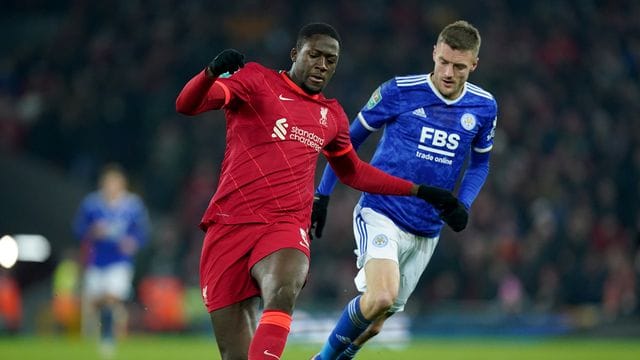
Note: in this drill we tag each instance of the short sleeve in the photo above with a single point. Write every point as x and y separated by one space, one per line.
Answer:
242 83
484 140
341 143
381 107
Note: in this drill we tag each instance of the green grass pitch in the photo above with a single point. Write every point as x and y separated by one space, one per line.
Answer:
199 347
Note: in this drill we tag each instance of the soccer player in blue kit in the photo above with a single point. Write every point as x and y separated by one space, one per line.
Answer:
112 224
432 122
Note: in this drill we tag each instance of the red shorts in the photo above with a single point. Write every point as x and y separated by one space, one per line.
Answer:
230 251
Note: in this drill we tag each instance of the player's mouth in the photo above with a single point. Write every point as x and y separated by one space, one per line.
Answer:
448 83
316 79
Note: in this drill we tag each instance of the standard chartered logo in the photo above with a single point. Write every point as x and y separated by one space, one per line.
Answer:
280 129
297 134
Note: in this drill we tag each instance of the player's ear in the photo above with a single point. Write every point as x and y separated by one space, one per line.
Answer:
474 65
293 54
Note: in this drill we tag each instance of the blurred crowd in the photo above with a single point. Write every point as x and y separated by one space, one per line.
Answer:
557 224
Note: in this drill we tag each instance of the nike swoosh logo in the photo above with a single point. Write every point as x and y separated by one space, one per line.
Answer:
266 352
284 98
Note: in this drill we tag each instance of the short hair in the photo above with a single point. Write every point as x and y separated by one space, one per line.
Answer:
461 35
316 29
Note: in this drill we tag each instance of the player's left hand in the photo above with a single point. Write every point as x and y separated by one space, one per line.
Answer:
456 217
318 215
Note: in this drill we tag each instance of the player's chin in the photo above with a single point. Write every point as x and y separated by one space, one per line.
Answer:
449 91
313 87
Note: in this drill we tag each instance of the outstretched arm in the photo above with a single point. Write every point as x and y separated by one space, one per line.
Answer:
358 135
354 172
359 175
202 92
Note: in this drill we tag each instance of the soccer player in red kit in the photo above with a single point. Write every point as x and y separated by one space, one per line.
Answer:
256 243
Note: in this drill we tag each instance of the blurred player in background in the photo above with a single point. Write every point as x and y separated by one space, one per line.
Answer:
432 123
112 224
256 244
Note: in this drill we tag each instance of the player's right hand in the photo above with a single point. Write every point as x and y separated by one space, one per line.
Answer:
456 217
318 214
229 60
450 209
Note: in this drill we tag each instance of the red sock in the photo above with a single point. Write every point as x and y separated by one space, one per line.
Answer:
271 336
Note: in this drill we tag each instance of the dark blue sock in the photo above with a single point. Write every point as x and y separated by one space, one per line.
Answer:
350 325
106 323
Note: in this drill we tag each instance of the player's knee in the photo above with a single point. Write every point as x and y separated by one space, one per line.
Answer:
381 302
282 297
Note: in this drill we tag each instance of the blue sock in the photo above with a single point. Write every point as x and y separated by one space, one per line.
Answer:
106 324
350 325
350 352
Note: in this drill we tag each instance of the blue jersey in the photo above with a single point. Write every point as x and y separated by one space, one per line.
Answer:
127 217
426 140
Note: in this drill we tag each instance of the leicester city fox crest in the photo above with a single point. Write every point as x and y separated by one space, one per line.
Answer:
468 121
380 240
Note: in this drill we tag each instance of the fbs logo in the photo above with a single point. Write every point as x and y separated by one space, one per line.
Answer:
280 129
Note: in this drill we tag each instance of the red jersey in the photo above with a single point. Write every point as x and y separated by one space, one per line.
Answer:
275 132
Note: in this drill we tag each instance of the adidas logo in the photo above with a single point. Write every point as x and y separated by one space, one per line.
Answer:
343 339
420 112
280 129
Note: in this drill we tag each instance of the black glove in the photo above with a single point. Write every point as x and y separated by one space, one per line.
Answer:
450 209
319 214
441 199
456 217
229 60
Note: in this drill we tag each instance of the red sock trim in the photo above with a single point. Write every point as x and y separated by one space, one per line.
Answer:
277 318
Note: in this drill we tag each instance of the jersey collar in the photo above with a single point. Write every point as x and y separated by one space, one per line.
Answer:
445 100
295 87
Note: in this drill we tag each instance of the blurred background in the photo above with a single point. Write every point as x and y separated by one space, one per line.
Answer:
552 246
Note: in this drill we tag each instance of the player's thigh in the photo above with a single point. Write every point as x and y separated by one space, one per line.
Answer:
412 264
224 274
377 249
93 284
234 326
280 264
117 281
383 276
376 236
